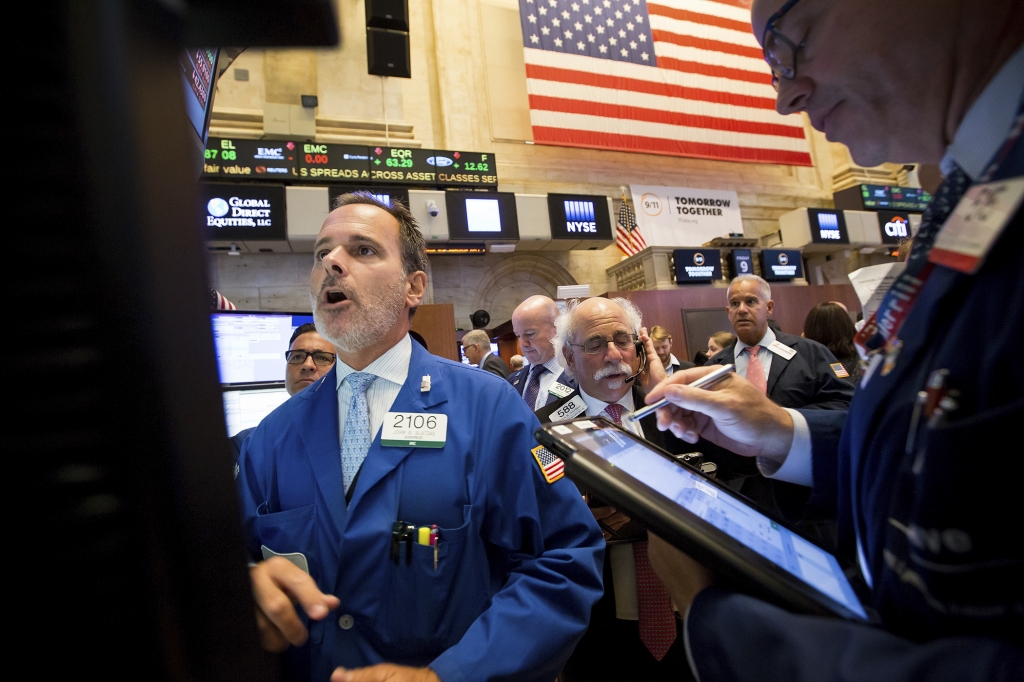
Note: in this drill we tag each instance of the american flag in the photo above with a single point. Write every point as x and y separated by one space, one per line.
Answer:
550 465
219 302
627 232
675 77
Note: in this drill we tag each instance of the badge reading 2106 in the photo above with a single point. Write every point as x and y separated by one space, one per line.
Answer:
414 429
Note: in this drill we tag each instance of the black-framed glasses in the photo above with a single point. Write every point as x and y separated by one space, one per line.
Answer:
320 358
597 345
779 51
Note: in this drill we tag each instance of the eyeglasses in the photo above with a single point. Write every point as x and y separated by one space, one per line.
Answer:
320 358
779 51
594 346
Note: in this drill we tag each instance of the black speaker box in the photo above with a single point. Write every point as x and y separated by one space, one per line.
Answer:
387 53
390 14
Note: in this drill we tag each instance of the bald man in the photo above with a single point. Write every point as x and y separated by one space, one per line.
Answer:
542 381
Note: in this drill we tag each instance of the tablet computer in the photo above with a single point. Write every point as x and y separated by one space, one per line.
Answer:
716 526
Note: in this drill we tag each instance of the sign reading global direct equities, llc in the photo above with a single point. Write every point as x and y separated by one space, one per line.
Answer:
240 212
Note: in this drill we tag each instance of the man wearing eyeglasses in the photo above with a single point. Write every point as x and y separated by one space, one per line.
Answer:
633 630
309 357
937 542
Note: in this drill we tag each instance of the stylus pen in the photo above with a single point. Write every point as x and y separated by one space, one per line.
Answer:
706 381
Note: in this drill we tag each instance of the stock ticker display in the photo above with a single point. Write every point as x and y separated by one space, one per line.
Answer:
329 163
885 197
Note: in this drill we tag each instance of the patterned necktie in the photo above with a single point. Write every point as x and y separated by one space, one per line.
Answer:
755 370
657 622
355 442
533 385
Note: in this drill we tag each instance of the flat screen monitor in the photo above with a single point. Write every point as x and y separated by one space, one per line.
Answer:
250 346
198 74
894 226
475 216
827 226
697 265
781 265
579 216
231 211
742 262
245 408
384 194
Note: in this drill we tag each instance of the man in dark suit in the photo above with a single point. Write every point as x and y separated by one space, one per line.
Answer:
597 343
542 381
794 372
937 541
477 348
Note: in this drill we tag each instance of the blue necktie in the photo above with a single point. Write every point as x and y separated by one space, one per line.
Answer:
355 442
533 385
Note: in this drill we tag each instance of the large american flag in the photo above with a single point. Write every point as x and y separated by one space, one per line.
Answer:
676 77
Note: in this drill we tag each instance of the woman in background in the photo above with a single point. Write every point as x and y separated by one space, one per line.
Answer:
830 325
719 341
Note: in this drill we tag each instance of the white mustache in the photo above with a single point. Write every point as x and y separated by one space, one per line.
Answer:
608 370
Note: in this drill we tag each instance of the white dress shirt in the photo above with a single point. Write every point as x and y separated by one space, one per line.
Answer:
740 359
977 141
672 360
391 370
547 380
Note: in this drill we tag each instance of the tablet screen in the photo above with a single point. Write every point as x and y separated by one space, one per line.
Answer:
807 562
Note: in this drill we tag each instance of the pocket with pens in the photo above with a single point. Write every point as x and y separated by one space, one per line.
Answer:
407 534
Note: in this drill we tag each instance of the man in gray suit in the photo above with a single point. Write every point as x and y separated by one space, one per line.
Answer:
477 348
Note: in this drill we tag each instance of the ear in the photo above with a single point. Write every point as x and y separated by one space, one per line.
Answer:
415 288
567 354
770 306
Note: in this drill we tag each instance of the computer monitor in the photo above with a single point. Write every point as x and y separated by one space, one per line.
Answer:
199 76
251 345
245 408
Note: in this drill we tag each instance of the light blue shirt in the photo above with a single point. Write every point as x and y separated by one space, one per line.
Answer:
741 359
391 369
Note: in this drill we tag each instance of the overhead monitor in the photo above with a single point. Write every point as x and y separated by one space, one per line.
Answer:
251 346
250 159
894 226
382 193
322 162
242 212
697 265
198 73
476 216
742 262
780 265
827 226
579 216
245 408
885 197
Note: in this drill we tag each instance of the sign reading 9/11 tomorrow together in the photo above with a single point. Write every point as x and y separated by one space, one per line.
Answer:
682 216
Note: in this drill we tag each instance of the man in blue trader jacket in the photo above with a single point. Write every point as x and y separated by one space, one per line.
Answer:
501 564
928 505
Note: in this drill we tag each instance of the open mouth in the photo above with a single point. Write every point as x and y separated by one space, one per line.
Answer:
336 296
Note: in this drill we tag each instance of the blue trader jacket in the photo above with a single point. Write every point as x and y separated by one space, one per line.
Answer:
942 541
519 559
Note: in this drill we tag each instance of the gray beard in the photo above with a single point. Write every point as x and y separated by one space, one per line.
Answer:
375 315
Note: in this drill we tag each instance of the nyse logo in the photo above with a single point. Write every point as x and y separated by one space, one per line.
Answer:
828 224
897 227
579 216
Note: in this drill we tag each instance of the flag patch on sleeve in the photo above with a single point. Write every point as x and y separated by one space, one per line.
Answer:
550 465
840 371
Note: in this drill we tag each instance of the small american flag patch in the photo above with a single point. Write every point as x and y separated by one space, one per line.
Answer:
840 371
550 465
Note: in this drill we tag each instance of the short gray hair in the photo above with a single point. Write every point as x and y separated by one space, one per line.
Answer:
566 326
766 289
478 338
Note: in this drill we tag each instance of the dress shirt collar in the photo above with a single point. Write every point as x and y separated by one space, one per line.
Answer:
766 340
988 121
596 407
672 359
393 366
553 366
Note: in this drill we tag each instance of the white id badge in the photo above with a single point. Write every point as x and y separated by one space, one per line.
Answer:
416 429
297 558
570 410
560 390
782 350
977 221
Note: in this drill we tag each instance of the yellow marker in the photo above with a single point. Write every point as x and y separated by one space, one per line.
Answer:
423 535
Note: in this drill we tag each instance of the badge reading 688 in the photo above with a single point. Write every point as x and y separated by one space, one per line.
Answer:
416 429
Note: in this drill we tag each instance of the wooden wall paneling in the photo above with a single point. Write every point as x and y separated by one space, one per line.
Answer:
435 322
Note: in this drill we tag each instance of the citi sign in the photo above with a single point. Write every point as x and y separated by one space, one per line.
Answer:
897 227
579 216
